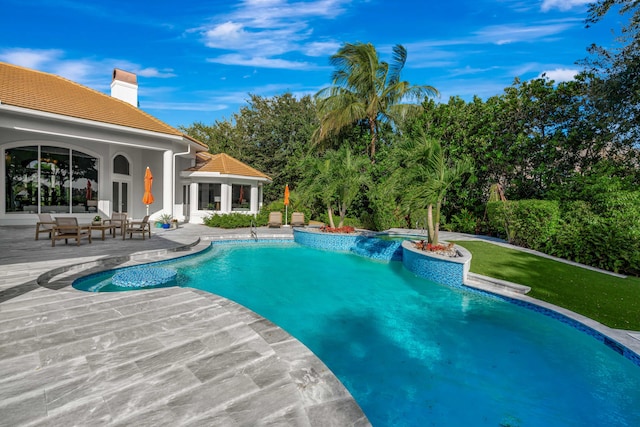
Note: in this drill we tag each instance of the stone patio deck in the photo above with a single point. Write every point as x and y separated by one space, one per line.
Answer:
170 356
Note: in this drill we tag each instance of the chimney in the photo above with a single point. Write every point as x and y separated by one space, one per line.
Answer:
124 86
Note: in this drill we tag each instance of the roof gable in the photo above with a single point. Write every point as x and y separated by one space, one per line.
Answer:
224 164
35 90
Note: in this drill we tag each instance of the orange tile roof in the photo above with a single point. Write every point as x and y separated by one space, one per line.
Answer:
224 164
35 90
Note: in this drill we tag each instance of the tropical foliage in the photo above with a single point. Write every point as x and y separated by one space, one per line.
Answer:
563 154
367 91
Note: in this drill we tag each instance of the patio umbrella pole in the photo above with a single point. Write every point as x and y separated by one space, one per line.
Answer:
286 203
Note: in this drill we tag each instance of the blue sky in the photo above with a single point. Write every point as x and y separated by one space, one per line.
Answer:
199 60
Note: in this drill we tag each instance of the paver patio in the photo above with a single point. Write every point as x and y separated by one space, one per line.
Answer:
170 356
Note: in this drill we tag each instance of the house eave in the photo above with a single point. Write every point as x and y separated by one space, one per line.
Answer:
91 123
199 174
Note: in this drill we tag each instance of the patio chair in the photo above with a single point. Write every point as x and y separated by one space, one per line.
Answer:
118 220
297 219
275 219
45 224
68 228
137 227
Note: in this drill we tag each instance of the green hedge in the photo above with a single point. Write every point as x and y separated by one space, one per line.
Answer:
527 223
232 220
603 234
238 220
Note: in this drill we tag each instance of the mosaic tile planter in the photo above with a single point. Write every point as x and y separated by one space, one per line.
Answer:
439 268
330 241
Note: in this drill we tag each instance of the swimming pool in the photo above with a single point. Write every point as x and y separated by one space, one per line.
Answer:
415 353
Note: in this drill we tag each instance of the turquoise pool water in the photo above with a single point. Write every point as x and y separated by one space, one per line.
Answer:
415 353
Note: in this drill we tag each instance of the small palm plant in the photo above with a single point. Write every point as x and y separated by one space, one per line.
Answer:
165 218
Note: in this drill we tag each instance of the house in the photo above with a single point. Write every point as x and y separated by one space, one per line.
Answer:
72 150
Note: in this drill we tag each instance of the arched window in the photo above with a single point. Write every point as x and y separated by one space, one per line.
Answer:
121 165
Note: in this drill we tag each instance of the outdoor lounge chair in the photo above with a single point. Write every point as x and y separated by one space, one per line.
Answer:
68 228
297 219
275 219
118 220
137 227
45 224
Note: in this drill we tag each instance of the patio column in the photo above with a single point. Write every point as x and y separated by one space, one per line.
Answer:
167 182
254 199
225 196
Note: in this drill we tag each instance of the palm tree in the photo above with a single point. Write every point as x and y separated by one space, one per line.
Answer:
351 176
365 89
425 178
336 180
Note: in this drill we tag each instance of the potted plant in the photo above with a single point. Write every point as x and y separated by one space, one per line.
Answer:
166 220
97 220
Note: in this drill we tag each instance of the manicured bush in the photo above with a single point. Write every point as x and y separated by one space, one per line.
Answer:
232 220
603 234
527 223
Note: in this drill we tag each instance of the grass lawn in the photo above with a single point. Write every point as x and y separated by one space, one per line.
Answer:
610 300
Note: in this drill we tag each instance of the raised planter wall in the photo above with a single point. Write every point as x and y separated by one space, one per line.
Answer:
329 241
438 268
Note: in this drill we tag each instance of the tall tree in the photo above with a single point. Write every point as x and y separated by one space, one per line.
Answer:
270 134
616 71
367 90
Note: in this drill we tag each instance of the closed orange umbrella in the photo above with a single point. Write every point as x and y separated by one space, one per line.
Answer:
147 198
286 203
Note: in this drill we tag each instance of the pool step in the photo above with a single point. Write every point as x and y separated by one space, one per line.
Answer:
489 283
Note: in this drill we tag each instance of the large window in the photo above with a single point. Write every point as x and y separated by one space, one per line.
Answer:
50 179
209 197
240 197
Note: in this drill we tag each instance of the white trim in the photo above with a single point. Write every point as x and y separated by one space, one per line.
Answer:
196 174
86 138
110 126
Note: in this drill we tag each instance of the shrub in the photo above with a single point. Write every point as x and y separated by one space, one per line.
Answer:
604 234
231 220
462 222
239 220
527 223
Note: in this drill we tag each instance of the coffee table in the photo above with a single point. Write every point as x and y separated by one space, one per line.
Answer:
103 228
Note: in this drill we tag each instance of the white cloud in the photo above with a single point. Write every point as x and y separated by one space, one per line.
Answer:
320 48
561 74
512 33
260 61
563 5
153 72
257 32
184 106
30 58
